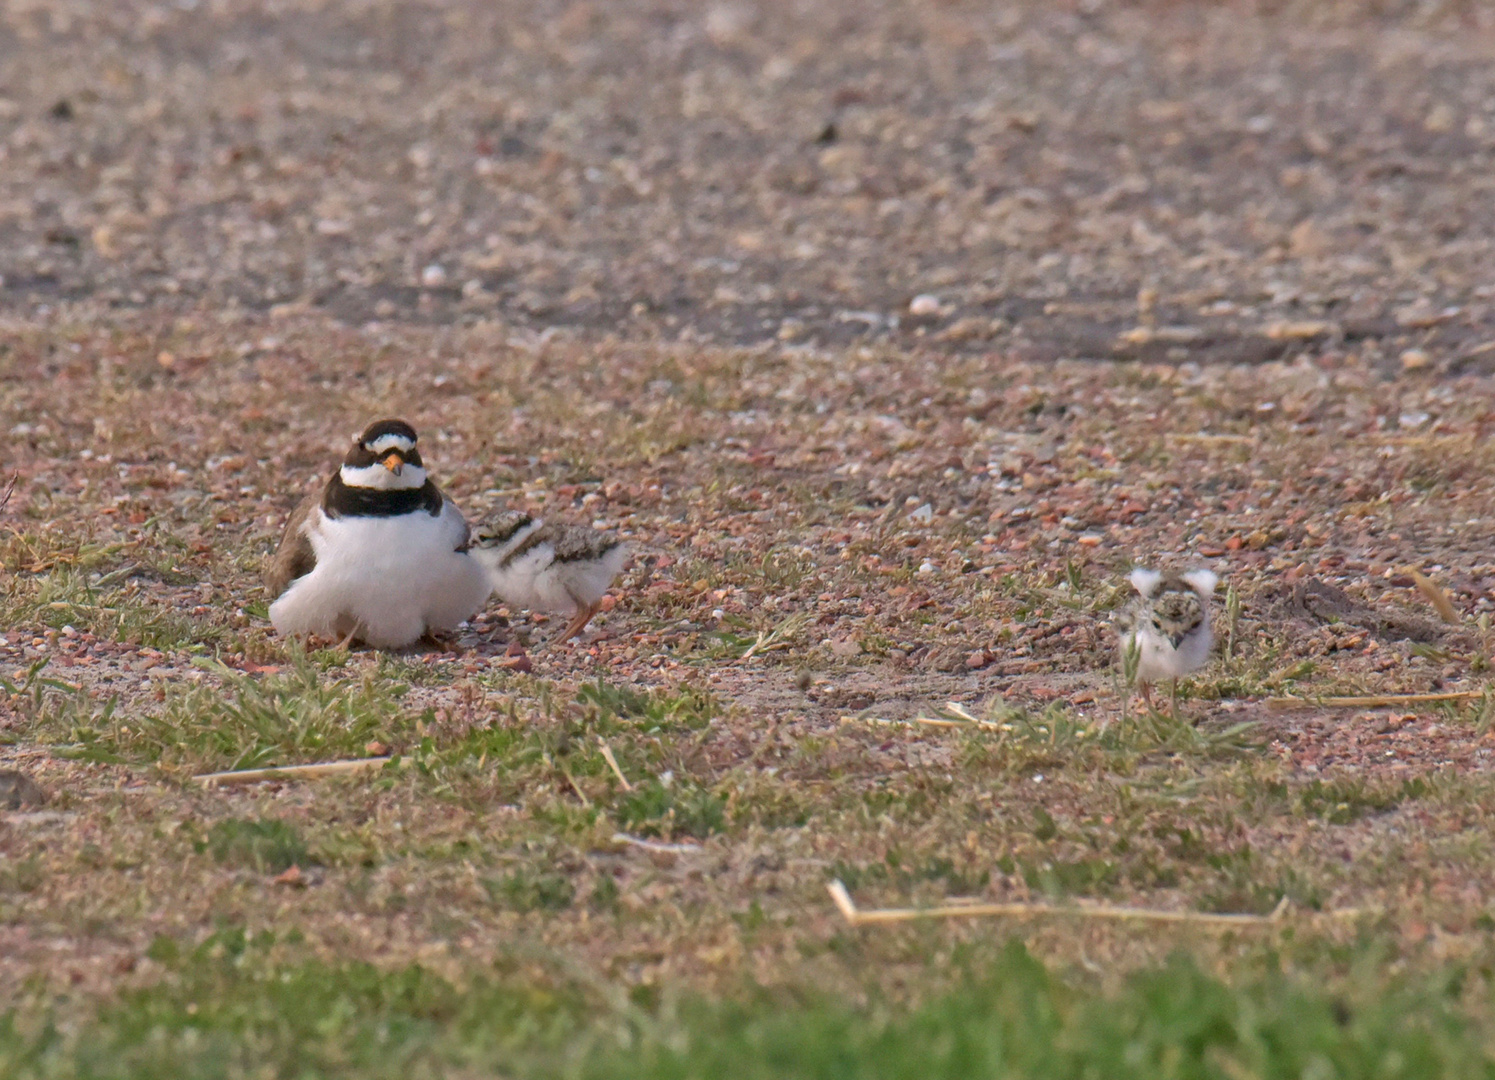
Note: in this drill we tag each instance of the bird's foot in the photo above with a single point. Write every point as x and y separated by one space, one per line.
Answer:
578 623
442 640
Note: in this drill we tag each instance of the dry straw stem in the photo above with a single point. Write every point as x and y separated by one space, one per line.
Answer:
1477 351
966 719
777 638
1209 437
858 917
1435 596
10 489
654 845
1378 701
580 794
926 721
293 772
612 763
955 708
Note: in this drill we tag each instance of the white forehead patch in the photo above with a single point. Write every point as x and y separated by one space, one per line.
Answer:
385 443
1144 581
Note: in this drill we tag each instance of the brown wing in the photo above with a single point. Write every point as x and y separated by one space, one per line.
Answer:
294 558
577 543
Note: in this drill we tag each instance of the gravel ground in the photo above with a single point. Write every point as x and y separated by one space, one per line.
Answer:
890 339
1158 180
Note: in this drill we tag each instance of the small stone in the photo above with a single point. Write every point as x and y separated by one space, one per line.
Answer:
1168 335
970 328
924 305
846 647
1421 315
103 242
1308 240
1089 539
1415 360
923 515
1440 119
166 359
926 567
433 276
1412 419
1299 331
292 877
978 659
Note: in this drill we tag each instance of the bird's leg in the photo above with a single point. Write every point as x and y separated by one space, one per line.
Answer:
346 644
1173 694
439 639
584 613
1144 691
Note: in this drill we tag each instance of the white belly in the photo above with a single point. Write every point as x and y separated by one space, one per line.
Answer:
389 579
538 582
1159 660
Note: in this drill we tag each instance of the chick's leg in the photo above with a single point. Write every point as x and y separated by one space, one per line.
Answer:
578 622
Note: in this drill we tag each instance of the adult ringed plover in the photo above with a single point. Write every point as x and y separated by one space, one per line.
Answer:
379 554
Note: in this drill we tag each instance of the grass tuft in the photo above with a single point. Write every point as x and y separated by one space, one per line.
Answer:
265 846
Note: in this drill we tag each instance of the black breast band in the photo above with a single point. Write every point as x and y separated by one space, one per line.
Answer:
342 500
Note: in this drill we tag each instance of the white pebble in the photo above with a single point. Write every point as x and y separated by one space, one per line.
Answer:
924 304
433 276
923 515
926 567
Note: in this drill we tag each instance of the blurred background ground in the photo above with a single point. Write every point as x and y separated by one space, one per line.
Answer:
1055 174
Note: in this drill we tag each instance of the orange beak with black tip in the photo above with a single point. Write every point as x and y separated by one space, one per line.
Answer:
394 463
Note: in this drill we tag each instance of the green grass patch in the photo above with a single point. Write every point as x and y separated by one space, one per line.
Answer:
530 890
1018 739
229 721
679 808
265 846
69 596
1340 800
241 1006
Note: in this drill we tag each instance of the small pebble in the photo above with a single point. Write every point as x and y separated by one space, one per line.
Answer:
1415 360
924 304
433 276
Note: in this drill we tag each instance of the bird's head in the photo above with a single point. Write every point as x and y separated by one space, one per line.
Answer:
384 457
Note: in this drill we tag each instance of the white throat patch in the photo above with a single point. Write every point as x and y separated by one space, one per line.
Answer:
380 478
